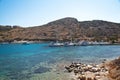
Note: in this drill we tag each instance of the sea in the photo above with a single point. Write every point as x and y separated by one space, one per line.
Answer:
38 61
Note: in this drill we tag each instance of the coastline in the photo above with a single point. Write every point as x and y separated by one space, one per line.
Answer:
80 71
92 71
76 44
66 70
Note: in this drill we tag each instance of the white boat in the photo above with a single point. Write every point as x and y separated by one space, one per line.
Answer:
56 44
71 44
83 43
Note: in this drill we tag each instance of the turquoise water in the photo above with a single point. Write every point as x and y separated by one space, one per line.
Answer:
21 62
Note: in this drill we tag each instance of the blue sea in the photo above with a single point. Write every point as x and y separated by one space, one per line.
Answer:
38 61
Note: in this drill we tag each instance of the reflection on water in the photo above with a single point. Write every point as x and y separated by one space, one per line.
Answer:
22 62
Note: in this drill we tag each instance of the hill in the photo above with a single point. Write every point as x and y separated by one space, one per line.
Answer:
63 29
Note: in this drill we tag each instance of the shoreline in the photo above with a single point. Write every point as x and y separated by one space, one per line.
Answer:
80 71
30 42
92 71
84 71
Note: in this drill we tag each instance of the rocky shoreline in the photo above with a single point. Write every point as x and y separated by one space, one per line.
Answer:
87 71
107 70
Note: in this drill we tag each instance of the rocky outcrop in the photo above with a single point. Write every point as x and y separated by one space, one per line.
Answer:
63 29
114 69
107 70
88 71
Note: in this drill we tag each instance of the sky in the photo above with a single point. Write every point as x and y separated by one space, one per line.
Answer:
39 12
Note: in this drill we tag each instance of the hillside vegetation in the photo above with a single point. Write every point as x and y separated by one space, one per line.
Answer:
64 29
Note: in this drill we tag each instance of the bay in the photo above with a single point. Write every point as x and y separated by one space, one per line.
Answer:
21 62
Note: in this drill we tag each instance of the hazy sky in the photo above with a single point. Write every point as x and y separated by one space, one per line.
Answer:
39 12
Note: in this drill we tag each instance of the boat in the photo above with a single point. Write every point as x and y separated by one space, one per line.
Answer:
56 44
83 43
69 44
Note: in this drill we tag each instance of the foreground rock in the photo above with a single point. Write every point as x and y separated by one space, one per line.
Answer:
114 69
88 71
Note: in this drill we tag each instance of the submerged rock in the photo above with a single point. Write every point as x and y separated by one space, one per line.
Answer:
41 70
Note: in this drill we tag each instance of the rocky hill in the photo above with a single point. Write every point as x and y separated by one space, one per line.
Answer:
63 29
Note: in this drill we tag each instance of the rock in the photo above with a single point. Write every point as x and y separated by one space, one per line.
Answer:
89 66
87 72
114 69
97 77
85 69
76 71
41 70
77 65
95 69
98 74
82 78
89 78
72 65
69 69
94 78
